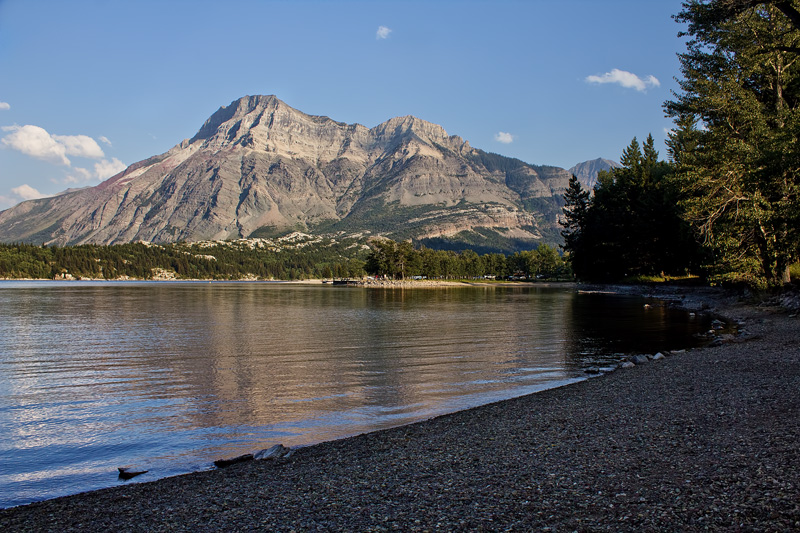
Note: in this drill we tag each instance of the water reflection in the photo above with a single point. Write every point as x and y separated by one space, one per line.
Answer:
173 376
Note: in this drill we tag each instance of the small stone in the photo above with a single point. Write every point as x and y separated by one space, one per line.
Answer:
639 359
658 356
627 364
275 452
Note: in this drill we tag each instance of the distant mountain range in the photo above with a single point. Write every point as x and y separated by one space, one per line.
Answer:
261 168
587 171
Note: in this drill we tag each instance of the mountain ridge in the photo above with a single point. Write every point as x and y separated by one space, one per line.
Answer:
587 171
259 166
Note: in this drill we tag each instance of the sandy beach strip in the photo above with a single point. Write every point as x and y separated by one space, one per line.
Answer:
708 439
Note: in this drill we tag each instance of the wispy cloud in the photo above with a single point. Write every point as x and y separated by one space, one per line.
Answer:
78 175
105 169
503 137
37 142
26 192
5 106
383 32
19 194
104 139
625 79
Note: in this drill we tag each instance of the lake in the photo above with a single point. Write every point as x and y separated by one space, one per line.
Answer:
168 377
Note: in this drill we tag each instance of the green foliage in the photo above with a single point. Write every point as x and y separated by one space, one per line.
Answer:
400 260
794 272
576 201
632 225
218 261
481 240
495 162
737 130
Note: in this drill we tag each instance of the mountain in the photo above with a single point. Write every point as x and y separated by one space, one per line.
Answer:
586 172
258 167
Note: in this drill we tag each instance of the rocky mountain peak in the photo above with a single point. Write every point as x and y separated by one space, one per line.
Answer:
266 123
587 171
399 126
258 166
236 109
407 128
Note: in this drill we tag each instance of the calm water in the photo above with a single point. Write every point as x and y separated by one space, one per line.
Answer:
170 376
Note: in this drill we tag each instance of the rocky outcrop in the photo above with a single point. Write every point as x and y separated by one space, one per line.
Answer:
259 166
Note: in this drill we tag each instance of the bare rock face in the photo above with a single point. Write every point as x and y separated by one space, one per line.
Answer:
587 171
259 165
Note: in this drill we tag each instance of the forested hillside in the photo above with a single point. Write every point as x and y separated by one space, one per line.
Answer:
303 258
299 257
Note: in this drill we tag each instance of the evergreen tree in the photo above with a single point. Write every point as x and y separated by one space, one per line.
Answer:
576 200
632 225
738 126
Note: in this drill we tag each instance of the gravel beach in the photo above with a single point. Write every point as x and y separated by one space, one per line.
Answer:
708 439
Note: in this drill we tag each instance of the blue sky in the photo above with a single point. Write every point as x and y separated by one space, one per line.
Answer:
89 87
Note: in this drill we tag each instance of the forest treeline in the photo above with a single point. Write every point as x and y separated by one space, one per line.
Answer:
221 261
401 260
727 204
237 260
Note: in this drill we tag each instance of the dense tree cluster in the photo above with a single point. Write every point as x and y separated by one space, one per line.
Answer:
400 260
631 226
735 147
303 260
734 175
221 261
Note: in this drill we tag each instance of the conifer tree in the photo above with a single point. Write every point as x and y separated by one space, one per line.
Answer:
737 131
576 200
632 225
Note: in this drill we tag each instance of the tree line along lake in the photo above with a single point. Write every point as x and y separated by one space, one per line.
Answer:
169 376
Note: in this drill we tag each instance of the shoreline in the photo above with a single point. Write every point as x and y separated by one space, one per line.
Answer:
708 438
368 283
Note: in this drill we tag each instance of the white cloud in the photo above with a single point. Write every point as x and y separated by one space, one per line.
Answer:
5 106
383 32
36 142
80 145
79 175
503 137
26 192
625 79
19 194
105 169
104 139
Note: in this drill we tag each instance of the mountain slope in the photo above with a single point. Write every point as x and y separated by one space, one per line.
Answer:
259 166
587 171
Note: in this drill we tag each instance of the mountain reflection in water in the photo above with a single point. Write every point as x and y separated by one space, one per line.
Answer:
170 376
